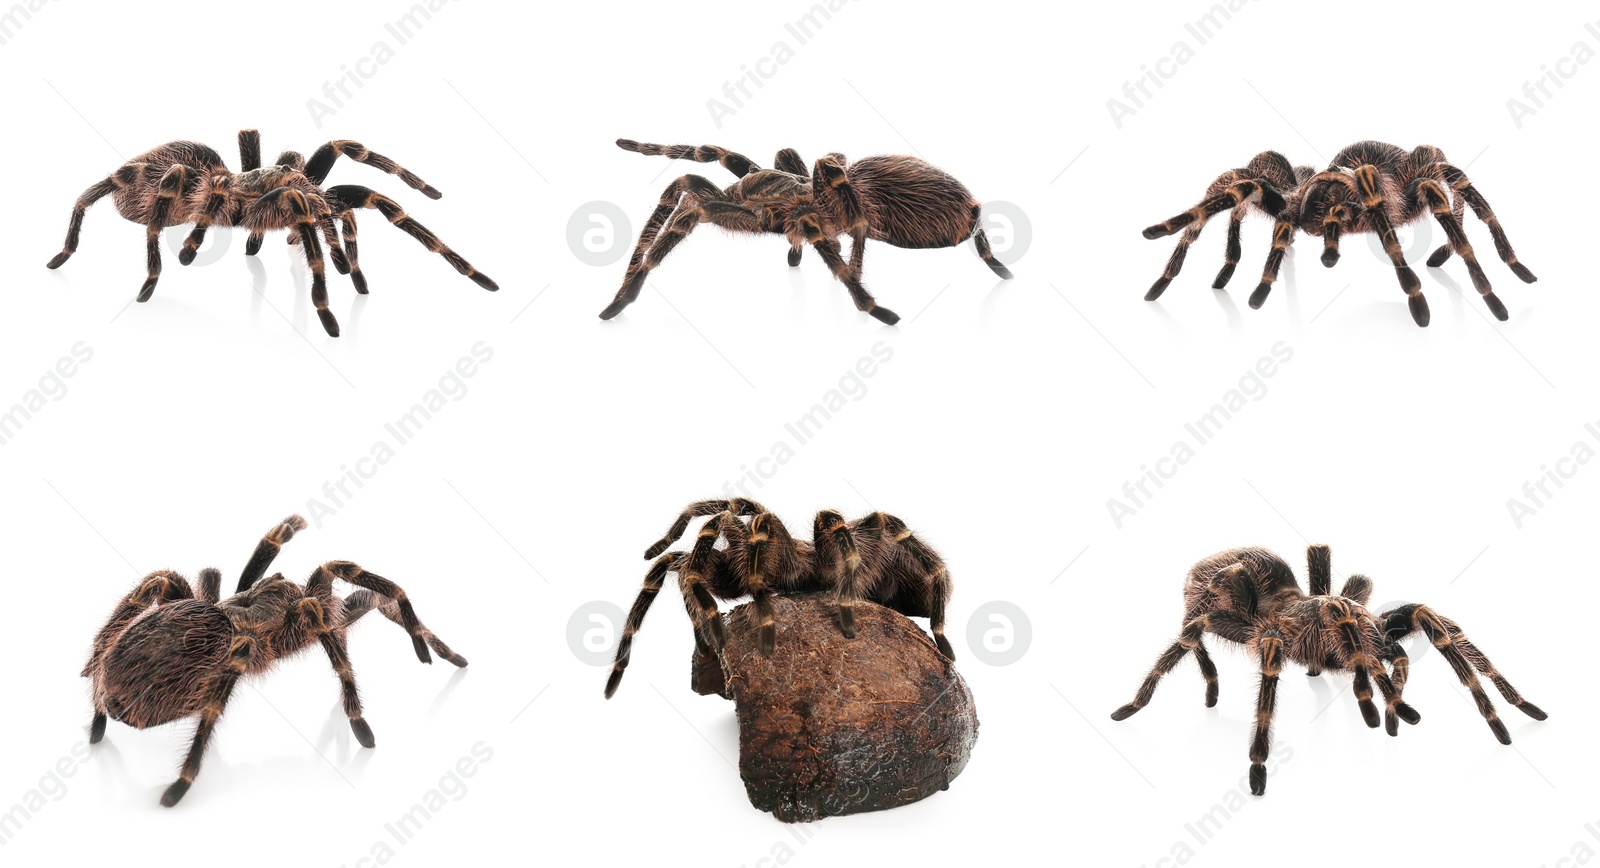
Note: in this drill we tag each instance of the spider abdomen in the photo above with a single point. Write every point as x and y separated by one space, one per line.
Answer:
159 667
912 203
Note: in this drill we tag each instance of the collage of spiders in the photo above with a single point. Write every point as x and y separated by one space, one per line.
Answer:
840 598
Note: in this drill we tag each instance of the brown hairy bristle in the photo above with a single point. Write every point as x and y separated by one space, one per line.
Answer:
1368 187
903 201
1249 596
187 182
171 652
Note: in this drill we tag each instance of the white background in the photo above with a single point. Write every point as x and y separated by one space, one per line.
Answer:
1008 416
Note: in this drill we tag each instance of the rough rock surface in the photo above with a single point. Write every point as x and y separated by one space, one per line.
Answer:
831 726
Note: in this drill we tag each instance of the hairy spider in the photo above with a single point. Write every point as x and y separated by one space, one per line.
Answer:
171 651
875 558
187 182
902 201
1369 187
1250 596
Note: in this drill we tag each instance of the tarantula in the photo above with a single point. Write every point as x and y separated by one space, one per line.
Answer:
876 558
1250 596
1369 187
901 201
187 182
170 651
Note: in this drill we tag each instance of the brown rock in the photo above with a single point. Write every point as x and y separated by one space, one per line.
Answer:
831 726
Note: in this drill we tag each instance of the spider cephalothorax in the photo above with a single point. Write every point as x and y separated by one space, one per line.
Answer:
903 201
170 651
1368 187
875 558
1250 596
187 182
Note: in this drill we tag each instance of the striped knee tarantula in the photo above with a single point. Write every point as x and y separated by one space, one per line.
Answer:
1250 596
187 182
901 201
876 558
171 652
1370 187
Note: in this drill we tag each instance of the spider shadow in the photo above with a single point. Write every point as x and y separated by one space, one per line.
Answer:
449 687
991 300
336 735
300 308
1230 310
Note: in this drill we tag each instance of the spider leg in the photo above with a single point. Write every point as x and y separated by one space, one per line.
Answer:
1224 624
1393 690
1357 588
1175 262
1332 228
1232 253
330 236
1366 182
1271 646
210 589
1458 210
1463 187
681 202
267 550
250 159
757 543
808 223
249 150
738 164
828 174
789 160
931 579
129 174
1238 194
836 543
311 609
653 581
321 584
980 239
168 190
347 224
1432 194
322 160
1357 655
737 506
360 602
698 567
215 200
1282 236
1447 636
1235 194
239 654
1319 570
306 223
354 196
